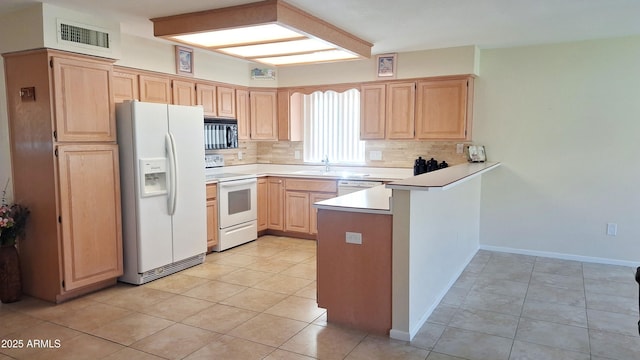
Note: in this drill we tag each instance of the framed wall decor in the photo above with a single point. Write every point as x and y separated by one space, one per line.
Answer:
184 60
386 65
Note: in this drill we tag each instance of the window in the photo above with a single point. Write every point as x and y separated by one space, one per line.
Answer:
332 127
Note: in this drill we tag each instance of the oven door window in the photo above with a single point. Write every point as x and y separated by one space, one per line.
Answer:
239 201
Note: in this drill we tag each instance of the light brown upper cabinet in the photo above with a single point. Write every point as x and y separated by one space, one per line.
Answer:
82 115
125 86
387 110
263 114
226 102
184 92
372 111
400 110
444 109
242 111
206 96
156 89
290 115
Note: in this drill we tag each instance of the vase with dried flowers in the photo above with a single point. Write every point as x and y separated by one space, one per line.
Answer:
13 219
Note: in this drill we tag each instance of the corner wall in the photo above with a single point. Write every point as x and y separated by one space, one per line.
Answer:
564 121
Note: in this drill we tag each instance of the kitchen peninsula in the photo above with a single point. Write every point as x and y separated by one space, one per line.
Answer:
387 255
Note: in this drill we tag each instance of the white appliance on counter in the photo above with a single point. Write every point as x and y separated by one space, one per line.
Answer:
350 186
162 175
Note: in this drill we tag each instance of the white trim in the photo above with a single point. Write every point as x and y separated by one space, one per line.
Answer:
561 256
400 335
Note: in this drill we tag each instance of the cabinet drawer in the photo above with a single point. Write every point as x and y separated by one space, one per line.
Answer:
212 191
311 185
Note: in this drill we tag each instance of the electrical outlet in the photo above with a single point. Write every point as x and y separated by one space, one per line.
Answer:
459 148
239 155
612 229
353 238
297 154
375 155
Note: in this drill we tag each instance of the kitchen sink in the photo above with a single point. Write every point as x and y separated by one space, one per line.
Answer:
337 173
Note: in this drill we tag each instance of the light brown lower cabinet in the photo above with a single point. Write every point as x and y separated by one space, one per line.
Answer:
212 215
90 205
263 204
300 194
275 208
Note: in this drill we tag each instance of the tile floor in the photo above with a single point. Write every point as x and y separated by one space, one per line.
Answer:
257 301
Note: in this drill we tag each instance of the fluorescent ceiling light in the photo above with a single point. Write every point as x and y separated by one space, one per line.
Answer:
271 31
245 35
278 48
321 56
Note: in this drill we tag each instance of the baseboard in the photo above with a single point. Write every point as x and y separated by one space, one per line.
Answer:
399 335
561 256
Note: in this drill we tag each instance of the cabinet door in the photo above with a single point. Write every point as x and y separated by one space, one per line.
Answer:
155 89
296 210
313 212
125 86
372 111
212 215
264 116
442 110
84 107
206 96
90 212
263 204
184 93
226 102
275 216
212 223
400 113
242 110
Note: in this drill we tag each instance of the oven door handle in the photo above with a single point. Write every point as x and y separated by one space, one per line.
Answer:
173 169
236 183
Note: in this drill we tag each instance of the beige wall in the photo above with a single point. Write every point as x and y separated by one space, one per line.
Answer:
563 120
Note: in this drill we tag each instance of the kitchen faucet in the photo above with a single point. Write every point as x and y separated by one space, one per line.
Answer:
327 167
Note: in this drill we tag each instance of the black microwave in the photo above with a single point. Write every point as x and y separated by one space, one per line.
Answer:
220 133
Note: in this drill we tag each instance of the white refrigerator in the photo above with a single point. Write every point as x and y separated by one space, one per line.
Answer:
162 180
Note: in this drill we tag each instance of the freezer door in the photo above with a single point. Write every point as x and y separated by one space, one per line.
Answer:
154 242
190 216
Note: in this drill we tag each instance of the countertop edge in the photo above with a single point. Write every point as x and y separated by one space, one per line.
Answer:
443 179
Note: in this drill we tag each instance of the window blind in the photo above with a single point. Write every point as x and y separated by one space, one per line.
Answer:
332 127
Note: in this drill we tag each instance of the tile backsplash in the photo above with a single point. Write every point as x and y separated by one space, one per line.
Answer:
395 153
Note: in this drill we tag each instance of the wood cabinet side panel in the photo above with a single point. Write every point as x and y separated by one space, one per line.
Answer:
354 281
33 172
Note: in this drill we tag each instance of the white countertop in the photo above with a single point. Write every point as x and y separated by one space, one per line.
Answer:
312 171
375 200
444 178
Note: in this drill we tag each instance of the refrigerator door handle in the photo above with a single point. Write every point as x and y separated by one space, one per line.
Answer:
173 169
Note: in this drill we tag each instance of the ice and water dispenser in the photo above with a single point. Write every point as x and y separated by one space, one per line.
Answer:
153 179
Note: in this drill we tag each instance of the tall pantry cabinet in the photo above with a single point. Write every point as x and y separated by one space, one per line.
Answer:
65 170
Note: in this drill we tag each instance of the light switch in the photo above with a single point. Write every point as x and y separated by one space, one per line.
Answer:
375 155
